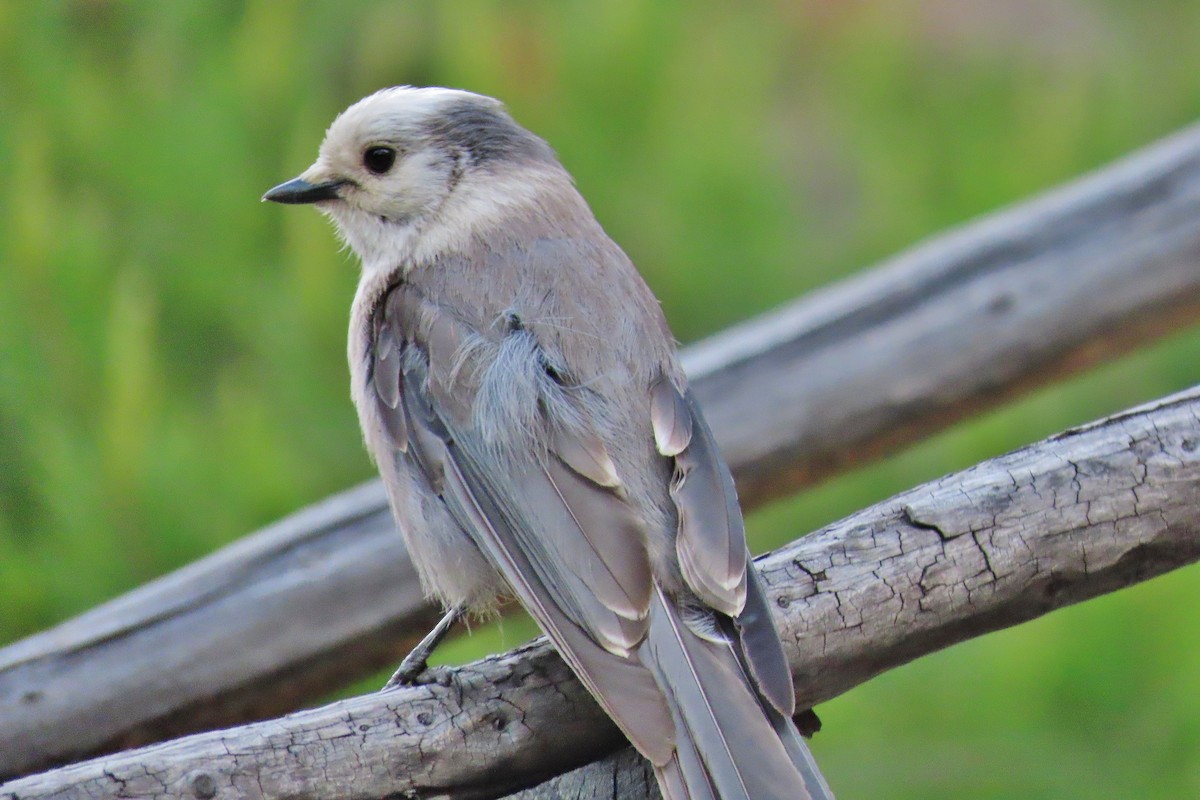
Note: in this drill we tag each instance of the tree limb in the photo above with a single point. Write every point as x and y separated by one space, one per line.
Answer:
1087 512
834 379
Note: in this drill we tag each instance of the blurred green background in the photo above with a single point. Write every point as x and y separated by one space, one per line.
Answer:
172 369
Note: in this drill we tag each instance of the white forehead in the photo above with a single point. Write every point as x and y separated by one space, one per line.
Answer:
394 113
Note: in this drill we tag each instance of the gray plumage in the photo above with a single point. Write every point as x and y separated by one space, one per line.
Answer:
518 388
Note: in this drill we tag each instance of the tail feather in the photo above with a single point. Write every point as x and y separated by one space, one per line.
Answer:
685 776
685 762
758 651
801 756
731 744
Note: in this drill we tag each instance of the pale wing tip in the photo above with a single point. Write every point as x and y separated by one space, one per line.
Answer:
727 596
739 595
587 456
606 471
669 443
670 418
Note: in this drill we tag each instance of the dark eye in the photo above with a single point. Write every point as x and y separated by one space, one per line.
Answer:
379 159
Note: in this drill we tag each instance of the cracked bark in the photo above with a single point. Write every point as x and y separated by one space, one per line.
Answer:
835 379
1086 512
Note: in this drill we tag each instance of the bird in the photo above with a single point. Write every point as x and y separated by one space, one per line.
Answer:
519 391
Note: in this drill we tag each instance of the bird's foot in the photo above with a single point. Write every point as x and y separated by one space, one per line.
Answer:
418 673
414 670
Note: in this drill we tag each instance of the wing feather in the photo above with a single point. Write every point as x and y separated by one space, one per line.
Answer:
623 687
385 379
670 417
711 542
621 573
762 650
587 455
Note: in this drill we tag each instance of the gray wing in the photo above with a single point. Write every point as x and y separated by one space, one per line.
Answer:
715 563
549 514
711 541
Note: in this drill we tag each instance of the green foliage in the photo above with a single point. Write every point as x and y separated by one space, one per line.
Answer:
172 352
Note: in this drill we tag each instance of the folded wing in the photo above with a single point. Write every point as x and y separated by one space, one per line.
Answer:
550 516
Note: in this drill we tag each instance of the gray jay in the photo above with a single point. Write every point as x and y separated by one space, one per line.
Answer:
519 390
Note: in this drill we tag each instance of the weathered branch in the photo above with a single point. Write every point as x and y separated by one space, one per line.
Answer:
837 378
958 324
1080 514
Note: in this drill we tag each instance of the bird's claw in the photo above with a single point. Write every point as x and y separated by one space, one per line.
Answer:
418 673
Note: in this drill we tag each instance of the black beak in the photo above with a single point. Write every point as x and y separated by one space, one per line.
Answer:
299 190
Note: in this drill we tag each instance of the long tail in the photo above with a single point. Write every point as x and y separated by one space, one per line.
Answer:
730 743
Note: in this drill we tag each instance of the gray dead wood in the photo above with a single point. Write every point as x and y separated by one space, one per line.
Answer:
1083 513
837 378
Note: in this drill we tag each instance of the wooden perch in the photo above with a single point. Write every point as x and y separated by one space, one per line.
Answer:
835 379
1083 513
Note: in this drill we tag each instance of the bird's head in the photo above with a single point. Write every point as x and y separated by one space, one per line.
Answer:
408 161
